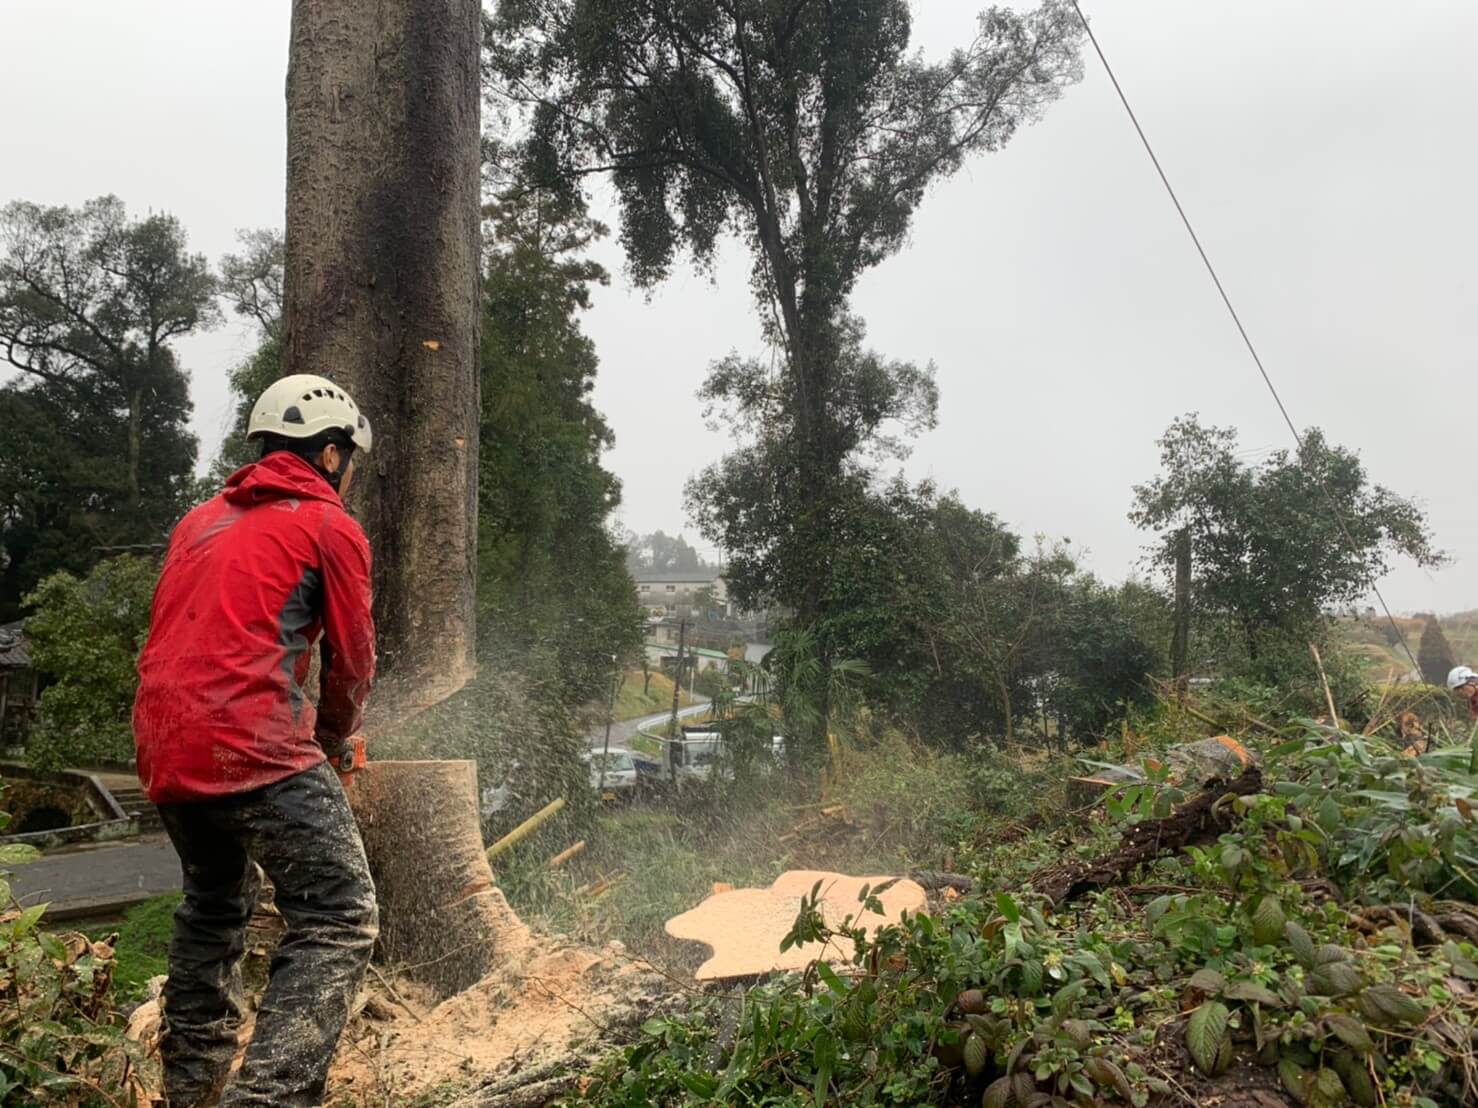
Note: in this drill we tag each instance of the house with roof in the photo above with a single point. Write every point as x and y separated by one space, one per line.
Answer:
20 685
669 593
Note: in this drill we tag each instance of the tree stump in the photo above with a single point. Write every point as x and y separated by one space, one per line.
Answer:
442 921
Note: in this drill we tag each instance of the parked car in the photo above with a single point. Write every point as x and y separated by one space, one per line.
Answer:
620 773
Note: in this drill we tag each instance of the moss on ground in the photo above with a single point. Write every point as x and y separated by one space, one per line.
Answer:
143 944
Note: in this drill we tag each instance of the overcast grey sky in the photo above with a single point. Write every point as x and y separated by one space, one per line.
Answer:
1325 149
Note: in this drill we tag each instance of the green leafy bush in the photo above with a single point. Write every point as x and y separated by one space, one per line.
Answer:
1004 1000
86 636
1396 823
61 1039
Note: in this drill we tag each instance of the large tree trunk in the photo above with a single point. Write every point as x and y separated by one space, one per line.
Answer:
382 294
441 920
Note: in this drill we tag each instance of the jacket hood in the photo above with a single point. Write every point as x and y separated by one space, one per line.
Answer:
278 476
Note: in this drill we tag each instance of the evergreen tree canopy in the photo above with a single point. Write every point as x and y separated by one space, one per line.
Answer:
813 130
1268 548
94 441
1434 654
552 578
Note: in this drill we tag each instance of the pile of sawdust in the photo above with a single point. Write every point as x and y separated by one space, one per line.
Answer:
550 1009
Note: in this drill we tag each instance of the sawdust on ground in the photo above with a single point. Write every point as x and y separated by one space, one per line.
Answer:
548 1000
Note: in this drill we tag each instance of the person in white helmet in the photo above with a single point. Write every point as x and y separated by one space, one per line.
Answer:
242 764
1464 682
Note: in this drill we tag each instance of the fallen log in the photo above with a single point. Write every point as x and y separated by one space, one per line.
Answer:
1194 822
442 921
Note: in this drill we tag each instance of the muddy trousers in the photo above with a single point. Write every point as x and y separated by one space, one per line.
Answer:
302 834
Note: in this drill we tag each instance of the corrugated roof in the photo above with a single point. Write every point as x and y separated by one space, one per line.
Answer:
668 577
704 652
14 652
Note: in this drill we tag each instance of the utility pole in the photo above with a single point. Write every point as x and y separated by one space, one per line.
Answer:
673 731
1180 644
605 757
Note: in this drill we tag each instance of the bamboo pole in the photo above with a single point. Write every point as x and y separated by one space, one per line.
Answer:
1328 695
526 828
566 854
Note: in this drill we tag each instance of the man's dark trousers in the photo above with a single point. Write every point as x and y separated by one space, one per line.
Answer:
303 835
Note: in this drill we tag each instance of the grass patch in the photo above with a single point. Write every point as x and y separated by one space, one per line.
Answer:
645 745
632 703
143 944
905 808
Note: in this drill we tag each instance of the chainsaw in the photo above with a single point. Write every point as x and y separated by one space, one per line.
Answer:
350 759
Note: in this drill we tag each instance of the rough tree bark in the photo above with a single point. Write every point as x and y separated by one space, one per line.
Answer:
382 294
443 922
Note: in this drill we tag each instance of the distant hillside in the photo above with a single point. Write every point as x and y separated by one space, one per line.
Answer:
1370 637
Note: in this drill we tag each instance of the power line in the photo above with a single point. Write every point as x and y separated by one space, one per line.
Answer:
1236 319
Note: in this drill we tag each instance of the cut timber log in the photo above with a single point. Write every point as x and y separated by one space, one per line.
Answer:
442 922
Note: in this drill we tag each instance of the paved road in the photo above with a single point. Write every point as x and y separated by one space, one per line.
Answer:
77 879
105 874
623 732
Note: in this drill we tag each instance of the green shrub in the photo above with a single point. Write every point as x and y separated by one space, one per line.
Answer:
61 1038
86 636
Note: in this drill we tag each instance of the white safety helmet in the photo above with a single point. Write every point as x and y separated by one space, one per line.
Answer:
1460 676
305 405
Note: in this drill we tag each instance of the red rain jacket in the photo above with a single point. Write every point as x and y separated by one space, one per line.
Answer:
252 577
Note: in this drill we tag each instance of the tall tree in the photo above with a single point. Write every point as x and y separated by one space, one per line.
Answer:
381 293
1266 541
662 553
89 304
1434 653
91 301
755 502
811 128
552 584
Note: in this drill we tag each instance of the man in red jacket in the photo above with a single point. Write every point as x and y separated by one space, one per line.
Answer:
242 765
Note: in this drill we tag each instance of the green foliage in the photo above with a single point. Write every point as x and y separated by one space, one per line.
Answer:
997 1000
662 553
61 1040
1395 823
552 582
816 137
90 304
142 946
1269 553
754 502
86 636
252 283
